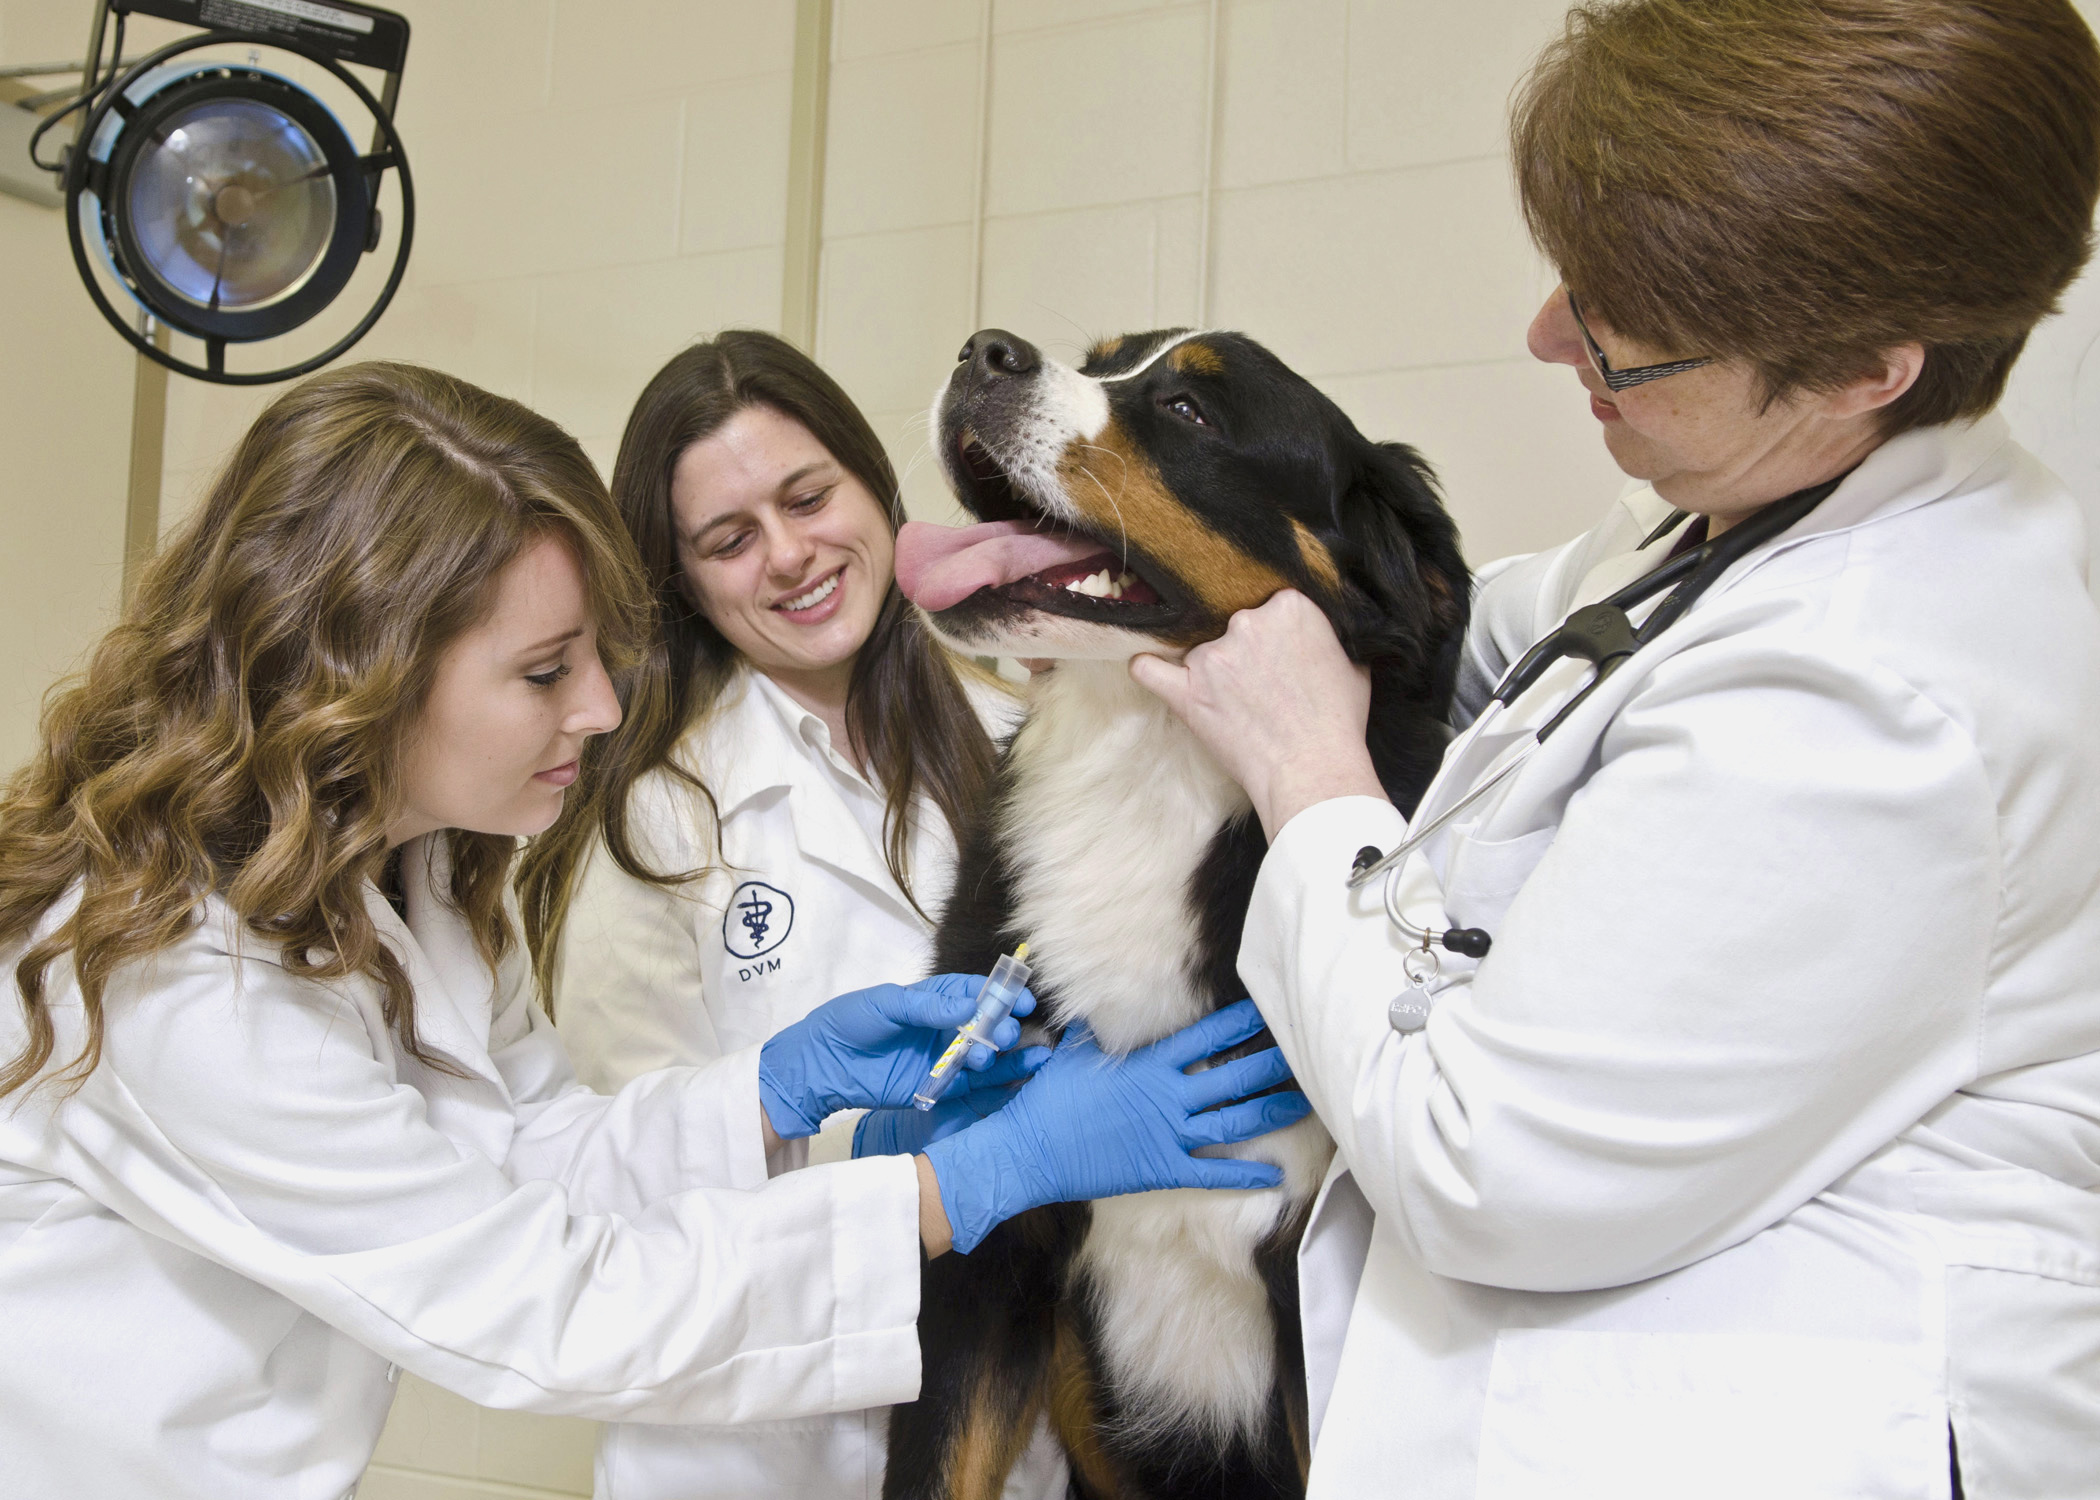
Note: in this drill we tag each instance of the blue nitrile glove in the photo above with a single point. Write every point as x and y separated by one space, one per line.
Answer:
1091 1126
871 1048
907 1132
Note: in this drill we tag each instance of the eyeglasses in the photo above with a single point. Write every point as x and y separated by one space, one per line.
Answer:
1619 380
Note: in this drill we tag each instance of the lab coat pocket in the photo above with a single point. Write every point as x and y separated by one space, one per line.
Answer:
1671 1416
1482 876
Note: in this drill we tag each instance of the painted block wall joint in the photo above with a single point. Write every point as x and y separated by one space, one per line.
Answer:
807 117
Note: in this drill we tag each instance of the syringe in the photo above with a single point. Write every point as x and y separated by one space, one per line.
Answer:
995 1002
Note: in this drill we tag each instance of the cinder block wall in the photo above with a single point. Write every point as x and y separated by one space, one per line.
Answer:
1326 175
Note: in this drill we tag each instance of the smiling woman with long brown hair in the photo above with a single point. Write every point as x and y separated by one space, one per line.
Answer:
277 1112
777 818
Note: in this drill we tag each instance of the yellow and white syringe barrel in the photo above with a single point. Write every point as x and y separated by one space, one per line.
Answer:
995 1002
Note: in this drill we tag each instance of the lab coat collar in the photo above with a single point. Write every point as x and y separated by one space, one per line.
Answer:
455 998
1909 470
444 959
758 740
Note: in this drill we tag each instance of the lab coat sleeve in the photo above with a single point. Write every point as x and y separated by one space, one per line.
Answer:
252 1119
1746 961
657 1135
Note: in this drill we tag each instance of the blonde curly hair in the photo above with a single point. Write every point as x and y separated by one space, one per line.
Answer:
240 731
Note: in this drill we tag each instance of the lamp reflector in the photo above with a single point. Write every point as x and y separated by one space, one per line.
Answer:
233 204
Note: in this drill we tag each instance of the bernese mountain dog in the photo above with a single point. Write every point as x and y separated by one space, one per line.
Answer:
1133 504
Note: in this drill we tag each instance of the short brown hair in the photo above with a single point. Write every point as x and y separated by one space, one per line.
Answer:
240 731
1807 184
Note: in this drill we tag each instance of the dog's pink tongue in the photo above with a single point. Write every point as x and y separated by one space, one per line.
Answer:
939 566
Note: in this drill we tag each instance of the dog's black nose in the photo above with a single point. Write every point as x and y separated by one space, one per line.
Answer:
994 353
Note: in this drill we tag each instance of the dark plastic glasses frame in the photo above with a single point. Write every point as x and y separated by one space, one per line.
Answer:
1619 380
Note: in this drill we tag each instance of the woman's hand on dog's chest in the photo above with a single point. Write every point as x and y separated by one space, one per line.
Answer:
1279 705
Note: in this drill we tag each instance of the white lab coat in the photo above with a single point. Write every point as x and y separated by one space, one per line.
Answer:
798 906
213 1254
1765 1142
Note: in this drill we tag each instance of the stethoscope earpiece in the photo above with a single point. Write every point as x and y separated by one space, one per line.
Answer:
1468 942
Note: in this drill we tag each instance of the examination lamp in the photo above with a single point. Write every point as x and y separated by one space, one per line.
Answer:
225 200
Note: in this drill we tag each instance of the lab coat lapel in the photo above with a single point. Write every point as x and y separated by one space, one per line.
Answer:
827 834
1644 511
1331 1259
766 751
1477 752
455 993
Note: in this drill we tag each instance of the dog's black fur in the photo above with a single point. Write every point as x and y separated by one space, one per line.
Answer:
1251 453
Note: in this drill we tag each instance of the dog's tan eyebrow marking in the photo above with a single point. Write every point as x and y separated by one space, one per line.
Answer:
1104 349
1318 560
1130 499
1197 359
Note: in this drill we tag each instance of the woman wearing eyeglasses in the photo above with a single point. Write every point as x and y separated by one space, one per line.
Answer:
1756 1154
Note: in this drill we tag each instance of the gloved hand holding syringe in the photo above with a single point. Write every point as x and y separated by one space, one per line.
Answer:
995 1002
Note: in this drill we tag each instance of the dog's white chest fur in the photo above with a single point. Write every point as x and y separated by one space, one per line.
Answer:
1113 806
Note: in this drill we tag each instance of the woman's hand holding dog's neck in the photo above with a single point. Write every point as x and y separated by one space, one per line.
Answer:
1279 705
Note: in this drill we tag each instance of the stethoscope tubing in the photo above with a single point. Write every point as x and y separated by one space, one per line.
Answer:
1417 837
1602 634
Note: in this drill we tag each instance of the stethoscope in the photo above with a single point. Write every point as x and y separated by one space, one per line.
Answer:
1603 635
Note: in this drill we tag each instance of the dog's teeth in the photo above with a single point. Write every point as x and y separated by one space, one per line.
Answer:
1094 585
1115 588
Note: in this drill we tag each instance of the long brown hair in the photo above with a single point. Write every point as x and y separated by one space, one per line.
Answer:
905 704
240 731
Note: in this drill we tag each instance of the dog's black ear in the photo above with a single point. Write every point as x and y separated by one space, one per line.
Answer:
1406 592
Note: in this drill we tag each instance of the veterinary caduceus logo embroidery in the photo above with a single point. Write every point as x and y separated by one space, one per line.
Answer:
757 921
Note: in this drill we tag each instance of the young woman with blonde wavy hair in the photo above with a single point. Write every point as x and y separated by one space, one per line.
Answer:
277 1112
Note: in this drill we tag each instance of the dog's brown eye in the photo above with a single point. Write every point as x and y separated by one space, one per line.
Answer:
1188 411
